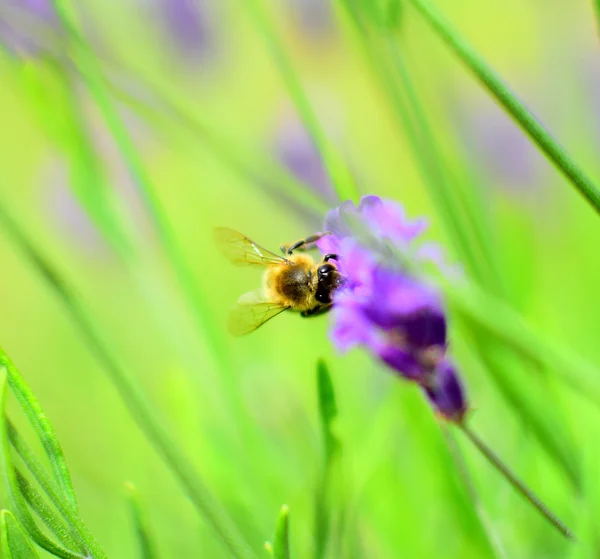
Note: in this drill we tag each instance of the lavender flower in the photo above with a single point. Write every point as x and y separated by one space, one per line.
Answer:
295 149
188 24
28 27
499 146
386 305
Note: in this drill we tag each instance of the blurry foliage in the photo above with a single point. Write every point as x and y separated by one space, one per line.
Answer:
154 146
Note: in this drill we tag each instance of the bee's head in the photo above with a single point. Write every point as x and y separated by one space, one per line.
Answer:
329 279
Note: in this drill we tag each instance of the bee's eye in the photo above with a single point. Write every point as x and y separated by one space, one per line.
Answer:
324 270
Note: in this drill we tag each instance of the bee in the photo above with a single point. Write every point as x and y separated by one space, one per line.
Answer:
290 282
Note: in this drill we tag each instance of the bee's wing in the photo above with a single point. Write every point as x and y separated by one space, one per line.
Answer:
239 249
250 312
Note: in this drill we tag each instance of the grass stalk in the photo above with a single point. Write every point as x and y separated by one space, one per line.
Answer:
510 102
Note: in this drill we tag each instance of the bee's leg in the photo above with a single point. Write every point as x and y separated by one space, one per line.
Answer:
321 309
289 249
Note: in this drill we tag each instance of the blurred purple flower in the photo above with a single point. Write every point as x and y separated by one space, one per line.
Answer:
498 146
188 25
385 305
295 149
312 17
28 27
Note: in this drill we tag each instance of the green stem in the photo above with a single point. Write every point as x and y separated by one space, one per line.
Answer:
533 499
495 85
492 536
64 507
42 426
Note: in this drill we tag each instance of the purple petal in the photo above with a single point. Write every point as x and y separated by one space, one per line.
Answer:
188 24
446 393
426 328
295 149
402 361
350 327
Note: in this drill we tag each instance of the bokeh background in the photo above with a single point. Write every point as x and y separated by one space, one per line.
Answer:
222 144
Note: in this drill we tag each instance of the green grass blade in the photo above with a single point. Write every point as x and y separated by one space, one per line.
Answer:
496 86
135 400
146 545
327 409
43 429
15 543
46 514
338 171
64 507
12 488
327 413
281 541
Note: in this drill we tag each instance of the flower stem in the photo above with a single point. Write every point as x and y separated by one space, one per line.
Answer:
515 482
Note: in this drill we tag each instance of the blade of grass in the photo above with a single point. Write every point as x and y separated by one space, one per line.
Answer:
509 101
39 421
64 506
332 446
15 543
281 541
12 489
133 398
338 172
145 544
46 514
45 432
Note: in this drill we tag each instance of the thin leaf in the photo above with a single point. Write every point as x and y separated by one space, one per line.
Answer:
146 546
64 506
43 429
134 399
327 413
46 514
281 541
500 91
15 544
12 488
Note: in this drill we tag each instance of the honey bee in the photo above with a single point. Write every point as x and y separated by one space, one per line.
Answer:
290 282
